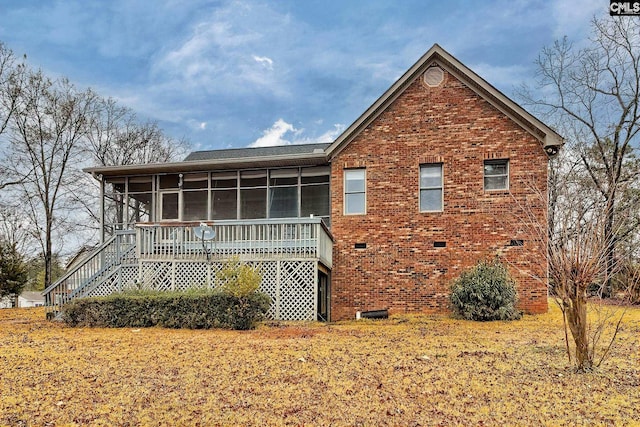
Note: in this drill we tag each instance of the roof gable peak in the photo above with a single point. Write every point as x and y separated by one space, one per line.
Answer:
550 140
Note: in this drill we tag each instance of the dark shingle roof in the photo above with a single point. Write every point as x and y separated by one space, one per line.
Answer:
237 153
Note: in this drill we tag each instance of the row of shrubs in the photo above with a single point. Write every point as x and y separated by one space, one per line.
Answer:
202 310
235 304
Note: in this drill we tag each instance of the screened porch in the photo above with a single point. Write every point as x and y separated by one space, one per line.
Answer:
270 193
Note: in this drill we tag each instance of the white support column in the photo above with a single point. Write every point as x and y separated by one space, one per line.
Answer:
101 179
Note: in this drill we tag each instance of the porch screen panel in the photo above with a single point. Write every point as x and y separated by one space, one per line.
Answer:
224 204
283 193
253 194
253 203
315 192
194 205
140 192
195 187
315 200
114 205
224 195
169 181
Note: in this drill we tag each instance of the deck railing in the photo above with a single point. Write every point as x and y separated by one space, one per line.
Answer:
297 238
100 265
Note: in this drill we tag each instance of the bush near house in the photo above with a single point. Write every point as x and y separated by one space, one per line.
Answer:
238 279
485 292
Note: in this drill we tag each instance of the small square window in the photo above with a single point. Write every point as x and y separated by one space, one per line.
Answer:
496 175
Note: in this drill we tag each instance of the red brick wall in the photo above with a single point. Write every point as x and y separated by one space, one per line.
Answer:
400 269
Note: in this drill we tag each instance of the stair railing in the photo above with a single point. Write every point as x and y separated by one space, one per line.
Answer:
96 267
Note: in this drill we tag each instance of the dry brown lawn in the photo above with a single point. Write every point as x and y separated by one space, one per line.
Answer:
402 371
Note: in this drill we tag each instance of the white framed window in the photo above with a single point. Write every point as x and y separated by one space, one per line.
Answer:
355 193
496 174
431 188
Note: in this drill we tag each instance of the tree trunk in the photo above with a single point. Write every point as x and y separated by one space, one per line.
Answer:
48 256
610 242
577 320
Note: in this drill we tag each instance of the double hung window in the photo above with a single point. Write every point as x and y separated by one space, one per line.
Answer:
431 187
496 175
355 196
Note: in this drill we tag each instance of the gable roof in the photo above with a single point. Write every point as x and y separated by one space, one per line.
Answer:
549 138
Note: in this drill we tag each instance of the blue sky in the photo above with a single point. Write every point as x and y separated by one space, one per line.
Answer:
243 72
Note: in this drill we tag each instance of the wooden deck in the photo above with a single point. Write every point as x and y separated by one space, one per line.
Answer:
171 256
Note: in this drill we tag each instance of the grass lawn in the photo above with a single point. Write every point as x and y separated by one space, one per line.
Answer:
402 371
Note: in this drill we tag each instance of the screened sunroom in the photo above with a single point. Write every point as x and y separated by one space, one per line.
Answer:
270 193
270 207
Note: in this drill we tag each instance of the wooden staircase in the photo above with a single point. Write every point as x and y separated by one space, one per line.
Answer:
101 266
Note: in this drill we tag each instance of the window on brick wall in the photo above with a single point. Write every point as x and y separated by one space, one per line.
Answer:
496 174
431 187
355 196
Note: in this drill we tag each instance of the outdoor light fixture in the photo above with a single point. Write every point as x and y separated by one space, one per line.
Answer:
551 150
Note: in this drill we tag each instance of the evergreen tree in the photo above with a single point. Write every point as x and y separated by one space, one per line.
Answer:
13 271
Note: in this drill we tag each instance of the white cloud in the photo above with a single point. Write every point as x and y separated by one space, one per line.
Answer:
327 137
264 61
276 135
196 125
216 55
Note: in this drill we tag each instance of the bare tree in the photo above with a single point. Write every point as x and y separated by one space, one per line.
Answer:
595 92
11 79
117 137
574 261
13 229
48 126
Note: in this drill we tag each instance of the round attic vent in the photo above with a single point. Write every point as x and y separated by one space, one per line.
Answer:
433 76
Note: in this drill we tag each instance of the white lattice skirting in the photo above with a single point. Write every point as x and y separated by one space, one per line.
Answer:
291 284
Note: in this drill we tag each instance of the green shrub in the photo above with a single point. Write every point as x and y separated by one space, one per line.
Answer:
485 292
193 310
238 279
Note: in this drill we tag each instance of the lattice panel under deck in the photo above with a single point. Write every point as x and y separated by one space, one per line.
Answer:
269 285
106 287
129 275
191 275
290 284
156 275
297 290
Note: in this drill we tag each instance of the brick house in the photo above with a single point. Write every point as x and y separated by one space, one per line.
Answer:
421 186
